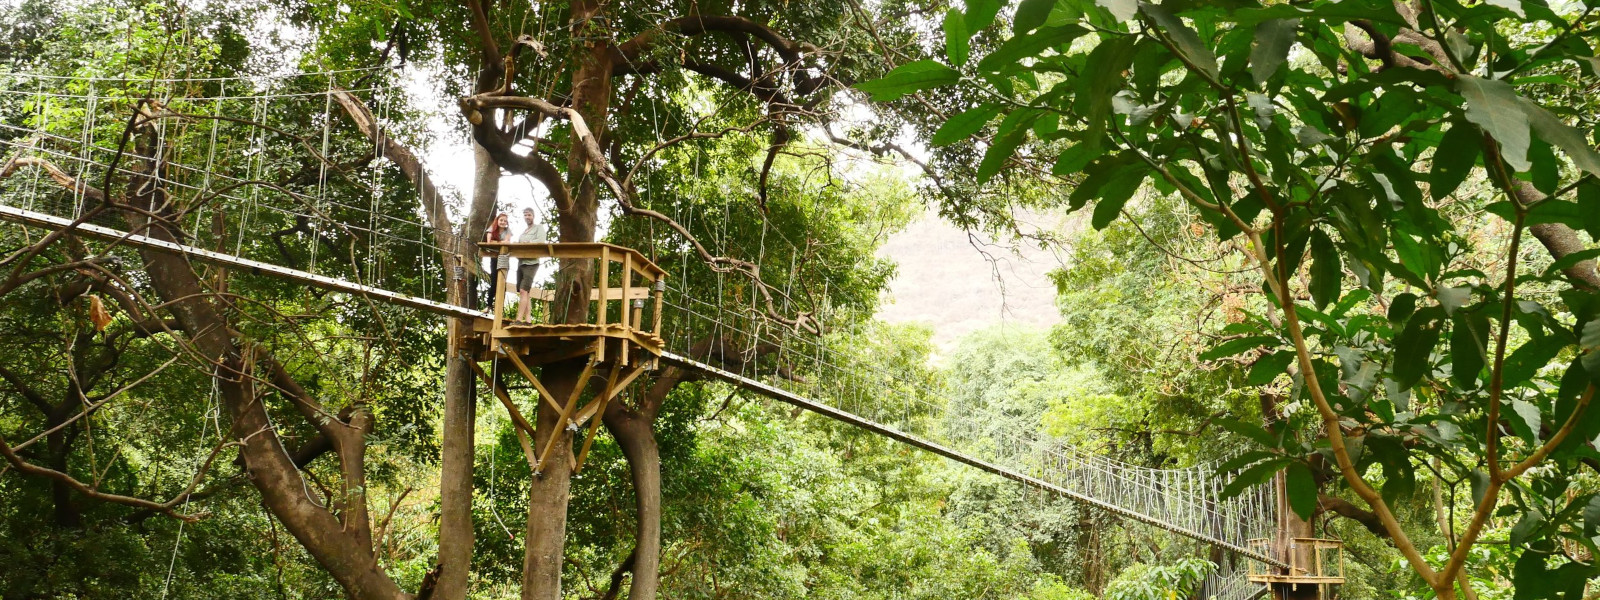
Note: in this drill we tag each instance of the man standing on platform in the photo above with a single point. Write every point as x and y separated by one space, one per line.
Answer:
528 268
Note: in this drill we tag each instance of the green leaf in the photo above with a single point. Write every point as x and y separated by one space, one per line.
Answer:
1453 160
1326 271
1401 307
1029 45
1074 159
1413 349
1302 488
1250 430
1238 346
1269 367
963 125
1013 131
1589 344
1529 524
1104 76
980 14
1116 195
1253 476
1563 136
1469 339
1121 10
956 38
1496 109
1273 39
1527 422
1589 206
1591 516
1031 14
909 78
1184 38
1527 359
1242 460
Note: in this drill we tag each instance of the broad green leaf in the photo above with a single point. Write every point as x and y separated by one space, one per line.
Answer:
1526 420
1413 349
1496 109
980 14
1103 175
1013 131
1528 358
1453 160
1269 367
1184 38
1253 476
965 124
1238 346
909 78
1121 10
1516 7
1326 272
1029 45
1074 159
1469 338
1273 39
1589 344
956 39
1563 136
1031 14
1529 524
1589 206
1250 430
1401 307
1096 89
1115 195
1243 460
1302 488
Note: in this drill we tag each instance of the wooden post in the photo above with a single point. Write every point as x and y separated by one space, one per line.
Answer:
627 286
605 283
499 296
660 284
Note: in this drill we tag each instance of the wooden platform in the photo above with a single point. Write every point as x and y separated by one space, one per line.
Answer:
621 343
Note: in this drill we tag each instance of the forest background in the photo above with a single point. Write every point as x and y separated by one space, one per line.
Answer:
760 501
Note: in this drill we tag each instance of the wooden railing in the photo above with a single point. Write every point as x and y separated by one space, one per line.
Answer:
1311 561
622 283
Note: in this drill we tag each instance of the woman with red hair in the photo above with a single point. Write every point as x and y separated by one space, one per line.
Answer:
499 231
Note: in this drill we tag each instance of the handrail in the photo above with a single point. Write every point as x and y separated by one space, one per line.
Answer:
642 265
630 294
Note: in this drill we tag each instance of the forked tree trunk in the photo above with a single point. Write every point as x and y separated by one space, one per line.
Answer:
344 549
549 492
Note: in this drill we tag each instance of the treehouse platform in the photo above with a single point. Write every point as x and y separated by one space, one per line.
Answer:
603 306
621 319
1313 563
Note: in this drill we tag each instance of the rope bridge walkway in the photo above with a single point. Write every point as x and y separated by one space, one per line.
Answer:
349 222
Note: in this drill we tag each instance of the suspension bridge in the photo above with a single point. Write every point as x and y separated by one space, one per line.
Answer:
349 223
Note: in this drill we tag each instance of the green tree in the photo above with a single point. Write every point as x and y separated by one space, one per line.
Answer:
1350 156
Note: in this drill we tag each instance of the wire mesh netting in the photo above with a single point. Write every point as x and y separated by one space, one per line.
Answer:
266 169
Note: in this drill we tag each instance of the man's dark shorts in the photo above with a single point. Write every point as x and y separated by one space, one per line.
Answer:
525 274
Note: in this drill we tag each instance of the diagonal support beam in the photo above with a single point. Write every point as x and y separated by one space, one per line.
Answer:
523 428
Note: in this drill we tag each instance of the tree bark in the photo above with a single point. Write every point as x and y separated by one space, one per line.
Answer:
635 434
283 489
576 218
460 399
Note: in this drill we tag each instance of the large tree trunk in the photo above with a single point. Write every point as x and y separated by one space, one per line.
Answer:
342 548
549 492
460 399
634 433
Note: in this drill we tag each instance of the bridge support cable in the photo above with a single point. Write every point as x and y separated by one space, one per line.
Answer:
858 421
334 284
